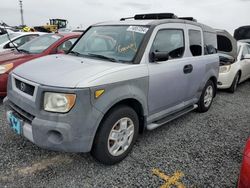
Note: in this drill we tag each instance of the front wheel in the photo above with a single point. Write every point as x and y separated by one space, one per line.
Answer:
206 98
116 136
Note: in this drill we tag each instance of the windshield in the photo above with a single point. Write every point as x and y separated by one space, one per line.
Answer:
4 38
112 43
39 44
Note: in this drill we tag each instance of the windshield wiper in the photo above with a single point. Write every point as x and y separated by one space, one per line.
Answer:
103 57
75 53
22 50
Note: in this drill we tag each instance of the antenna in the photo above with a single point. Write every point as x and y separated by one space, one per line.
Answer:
21 11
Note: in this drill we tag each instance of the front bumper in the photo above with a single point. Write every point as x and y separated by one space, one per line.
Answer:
70 132
225 80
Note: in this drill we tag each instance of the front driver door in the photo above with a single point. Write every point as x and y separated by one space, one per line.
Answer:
167 80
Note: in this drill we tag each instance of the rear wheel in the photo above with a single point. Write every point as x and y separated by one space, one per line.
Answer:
235 83
206 98
116 136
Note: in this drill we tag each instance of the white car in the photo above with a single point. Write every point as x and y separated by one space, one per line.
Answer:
17 38
231 75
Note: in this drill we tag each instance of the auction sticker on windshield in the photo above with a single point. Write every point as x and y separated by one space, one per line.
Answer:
138 29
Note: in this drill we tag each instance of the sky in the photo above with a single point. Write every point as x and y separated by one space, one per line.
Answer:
221 14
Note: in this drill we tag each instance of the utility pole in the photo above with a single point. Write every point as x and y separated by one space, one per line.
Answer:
21 11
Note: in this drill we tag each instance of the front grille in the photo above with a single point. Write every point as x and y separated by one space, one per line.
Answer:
24 87
24 115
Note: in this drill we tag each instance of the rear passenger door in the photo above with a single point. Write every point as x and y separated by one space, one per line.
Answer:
195 50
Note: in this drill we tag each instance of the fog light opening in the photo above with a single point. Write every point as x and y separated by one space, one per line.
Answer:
55 137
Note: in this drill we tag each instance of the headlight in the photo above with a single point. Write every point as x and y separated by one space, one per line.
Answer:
225 68
5 68
58 102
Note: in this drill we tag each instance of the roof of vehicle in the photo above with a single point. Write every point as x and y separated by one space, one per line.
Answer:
243 42
157 22
69 34
28 33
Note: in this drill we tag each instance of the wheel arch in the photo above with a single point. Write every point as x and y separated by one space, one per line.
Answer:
214 80
240 73
136 105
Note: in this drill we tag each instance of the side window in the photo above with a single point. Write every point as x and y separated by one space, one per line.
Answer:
22 40
170 41
195 42
248 47
245 51
66 45
210 43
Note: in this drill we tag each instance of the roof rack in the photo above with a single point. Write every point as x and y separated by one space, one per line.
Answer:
188 18
156 16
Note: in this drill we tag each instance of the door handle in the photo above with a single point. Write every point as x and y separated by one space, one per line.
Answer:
188 69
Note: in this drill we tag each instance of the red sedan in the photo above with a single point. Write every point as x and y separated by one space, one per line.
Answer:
41 46
244 178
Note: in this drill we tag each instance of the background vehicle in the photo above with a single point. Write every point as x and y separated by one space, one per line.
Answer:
41 46
53 26
17 38
117 80
244 178
4 30
233 72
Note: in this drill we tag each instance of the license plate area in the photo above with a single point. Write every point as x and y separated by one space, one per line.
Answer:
16 123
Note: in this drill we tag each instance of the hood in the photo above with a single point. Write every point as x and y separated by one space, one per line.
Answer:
12 55
242 33
65 70
227 45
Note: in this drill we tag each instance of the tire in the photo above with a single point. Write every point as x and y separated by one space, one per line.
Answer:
235 83
206 98
109 149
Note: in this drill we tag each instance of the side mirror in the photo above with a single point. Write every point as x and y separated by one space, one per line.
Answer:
158 56
247 56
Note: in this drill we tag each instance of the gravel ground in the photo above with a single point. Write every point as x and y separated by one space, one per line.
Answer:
206 148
